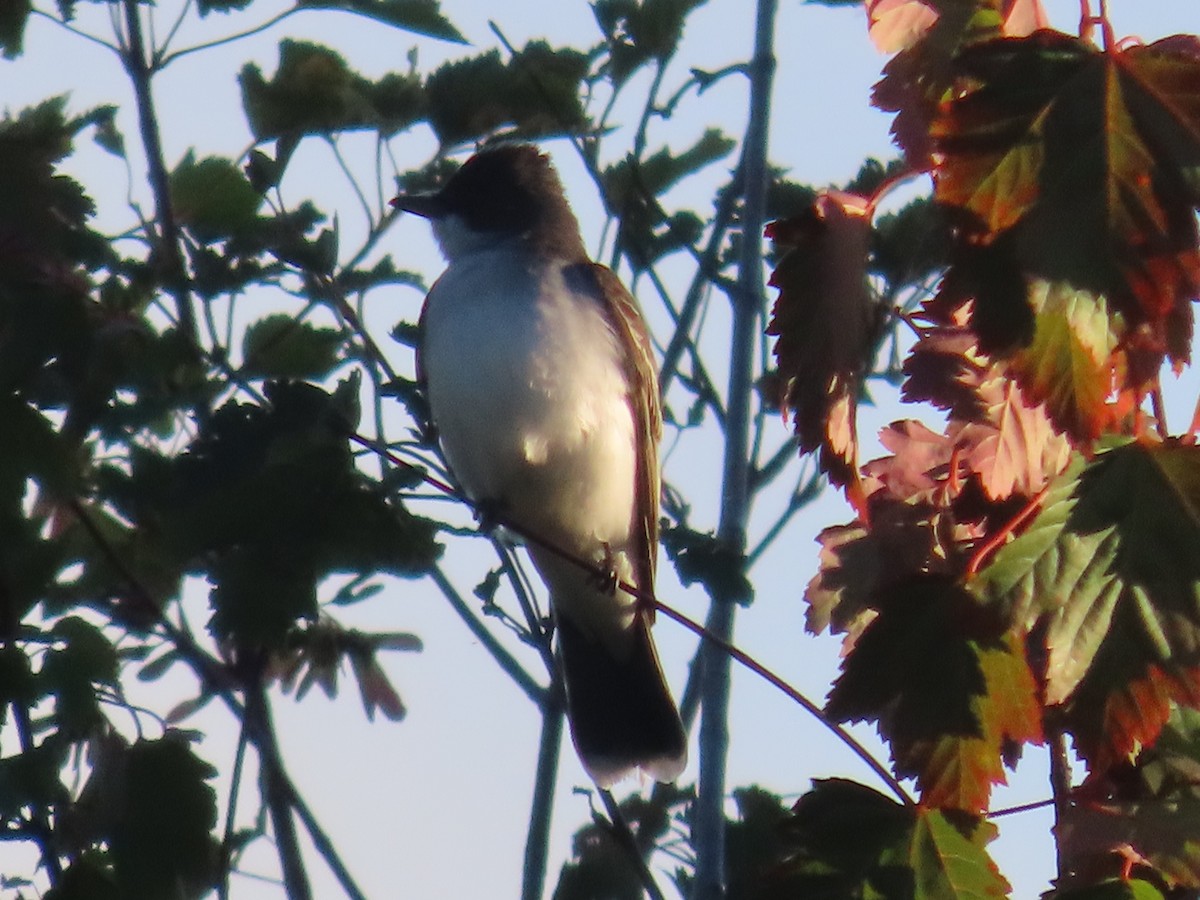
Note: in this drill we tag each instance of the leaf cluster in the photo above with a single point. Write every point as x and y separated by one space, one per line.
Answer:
1025 568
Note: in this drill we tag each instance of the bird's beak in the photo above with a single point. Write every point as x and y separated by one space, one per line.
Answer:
427 206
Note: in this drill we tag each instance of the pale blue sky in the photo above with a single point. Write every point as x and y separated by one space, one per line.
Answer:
436 806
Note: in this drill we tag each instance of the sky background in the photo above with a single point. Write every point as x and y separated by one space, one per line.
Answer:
436 806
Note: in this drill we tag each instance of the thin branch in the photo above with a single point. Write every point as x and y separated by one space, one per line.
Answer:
235 786
229 39
276 793
740 656
628 841
322 843
709 811
138 66
1060 787
537 839
67 26
499 653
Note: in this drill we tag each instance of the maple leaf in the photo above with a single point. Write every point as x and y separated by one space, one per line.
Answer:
1015 448
918 78
1070 365
1148 811
957 771
898 24
824 322
847 840
1109 571
959 697
1086 160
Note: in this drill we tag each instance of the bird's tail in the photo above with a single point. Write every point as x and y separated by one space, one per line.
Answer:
620 709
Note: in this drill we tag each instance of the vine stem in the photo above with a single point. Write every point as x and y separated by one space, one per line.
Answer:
724 644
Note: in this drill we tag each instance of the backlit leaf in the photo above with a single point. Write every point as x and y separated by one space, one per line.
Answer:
282 347
213 198
537 92
1086 158
846 840
314 91
823 319
1111 567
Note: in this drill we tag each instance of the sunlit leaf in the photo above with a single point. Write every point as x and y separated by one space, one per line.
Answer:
824 320
957 698
1111 567
1087 158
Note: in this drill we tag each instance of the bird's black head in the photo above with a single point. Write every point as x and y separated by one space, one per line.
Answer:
505 191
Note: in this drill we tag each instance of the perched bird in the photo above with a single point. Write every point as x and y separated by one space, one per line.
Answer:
542 389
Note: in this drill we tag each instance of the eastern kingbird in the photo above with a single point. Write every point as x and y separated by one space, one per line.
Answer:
542 388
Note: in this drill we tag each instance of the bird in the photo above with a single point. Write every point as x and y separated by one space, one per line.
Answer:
539 375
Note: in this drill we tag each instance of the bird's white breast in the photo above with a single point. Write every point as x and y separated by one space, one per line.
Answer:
530 397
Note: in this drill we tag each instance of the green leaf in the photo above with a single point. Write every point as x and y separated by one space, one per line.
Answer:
418 16
638 31
213 198
268 501
13 16
958 698
948 859
162 843
314 91
282 347
537 93
222 6
1110 569
847 840
1068 365
71 673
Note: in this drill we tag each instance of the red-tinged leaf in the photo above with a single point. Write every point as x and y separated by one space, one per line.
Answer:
857 565
824 319
1087 160
1023 17
375 689
945 368
917 79
1159 830
898 24
917 467
1015 450
1110 569
957 771
1122 704
958 697
1069 364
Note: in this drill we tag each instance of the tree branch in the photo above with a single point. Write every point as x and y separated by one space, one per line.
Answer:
140 70
709 815
537 839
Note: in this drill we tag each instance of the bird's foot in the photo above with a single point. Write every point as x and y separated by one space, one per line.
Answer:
605 577
489 513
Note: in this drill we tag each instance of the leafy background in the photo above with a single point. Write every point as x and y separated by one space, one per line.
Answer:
425 786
